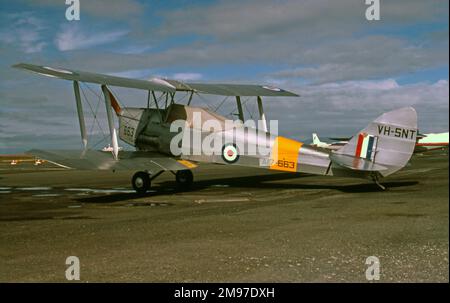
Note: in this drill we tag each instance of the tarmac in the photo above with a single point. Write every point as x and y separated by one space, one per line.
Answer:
235 225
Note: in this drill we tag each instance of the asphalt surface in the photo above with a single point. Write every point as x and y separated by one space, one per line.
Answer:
235 225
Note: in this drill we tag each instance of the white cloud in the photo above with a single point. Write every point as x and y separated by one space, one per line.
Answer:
113 9
25 31
134 49
346 107
250 19
363 58
72 37
442 83
326 44
331 109
135 73
187 76
380 85
321 41
379 94
309 41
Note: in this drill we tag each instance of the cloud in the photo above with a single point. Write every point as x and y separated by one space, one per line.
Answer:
332 109
135 73
381 95
249 19
365 58
342 66
134 49
72 37
369 57
112 9
379 85
319 41
346 107
45 116
312 41
186 76
25 31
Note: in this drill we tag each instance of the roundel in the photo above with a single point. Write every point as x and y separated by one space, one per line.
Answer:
230 153
272 88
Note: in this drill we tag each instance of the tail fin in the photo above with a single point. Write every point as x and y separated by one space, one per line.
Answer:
385 145
315 139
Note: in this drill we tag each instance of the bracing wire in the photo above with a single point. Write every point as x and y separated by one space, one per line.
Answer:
205 102
250 112
94 113
221 103
182 98
244 102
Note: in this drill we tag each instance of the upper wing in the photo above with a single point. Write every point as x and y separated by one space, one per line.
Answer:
156 84
99 160
232 89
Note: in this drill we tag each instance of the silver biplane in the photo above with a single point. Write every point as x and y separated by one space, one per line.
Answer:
382 148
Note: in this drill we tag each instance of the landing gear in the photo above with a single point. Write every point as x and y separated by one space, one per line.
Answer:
377 181
141 182
184 178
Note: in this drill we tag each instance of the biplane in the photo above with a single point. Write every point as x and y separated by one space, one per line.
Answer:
424 143
380 149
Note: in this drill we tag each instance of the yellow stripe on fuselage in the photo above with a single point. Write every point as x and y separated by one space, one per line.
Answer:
285 154
187 163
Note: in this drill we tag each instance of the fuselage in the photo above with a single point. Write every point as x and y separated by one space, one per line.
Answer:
209 137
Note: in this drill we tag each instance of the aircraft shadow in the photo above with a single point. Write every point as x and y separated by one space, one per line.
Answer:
258 181
261 182
170 187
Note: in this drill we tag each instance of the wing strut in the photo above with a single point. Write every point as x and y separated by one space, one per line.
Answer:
112 129
190 98
262 115
157 106
76 88
148 99
239 106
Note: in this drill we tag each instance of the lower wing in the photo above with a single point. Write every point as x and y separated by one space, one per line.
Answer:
100 160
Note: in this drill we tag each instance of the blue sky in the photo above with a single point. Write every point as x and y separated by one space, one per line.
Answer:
346 69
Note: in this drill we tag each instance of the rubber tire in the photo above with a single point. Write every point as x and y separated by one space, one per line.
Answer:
184 178
141 182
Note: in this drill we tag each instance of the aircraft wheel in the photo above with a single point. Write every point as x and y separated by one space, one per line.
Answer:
184 178
141 182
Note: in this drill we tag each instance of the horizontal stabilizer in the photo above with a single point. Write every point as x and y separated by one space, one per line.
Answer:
340 138
355 163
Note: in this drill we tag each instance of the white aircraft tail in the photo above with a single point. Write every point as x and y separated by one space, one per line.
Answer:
384 146
316 140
